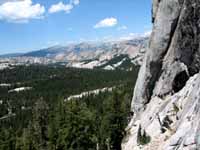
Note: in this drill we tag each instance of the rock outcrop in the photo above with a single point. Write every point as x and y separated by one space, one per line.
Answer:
166 101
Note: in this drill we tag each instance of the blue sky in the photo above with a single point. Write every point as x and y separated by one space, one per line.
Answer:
34 24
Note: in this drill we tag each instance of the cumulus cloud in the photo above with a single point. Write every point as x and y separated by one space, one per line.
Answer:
129 36
3 1
136 35
147 33
75 2
107 22
20 11
63 7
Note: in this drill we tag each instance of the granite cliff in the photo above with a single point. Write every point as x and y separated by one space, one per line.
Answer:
166 101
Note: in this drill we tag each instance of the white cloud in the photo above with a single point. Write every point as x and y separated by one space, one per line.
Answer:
21 11
130 36
107 22
135 35
122 28
75 2
147 33
61 7
4 1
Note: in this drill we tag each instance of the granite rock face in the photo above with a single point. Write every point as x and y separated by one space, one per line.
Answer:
166 101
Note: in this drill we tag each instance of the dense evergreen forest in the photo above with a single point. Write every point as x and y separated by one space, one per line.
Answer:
41 119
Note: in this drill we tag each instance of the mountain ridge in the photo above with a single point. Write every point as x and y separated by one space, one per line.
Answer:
85 55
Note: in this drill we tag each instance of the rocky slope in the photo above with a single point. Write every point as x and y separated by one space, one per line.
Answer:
91 50
166 101
108 55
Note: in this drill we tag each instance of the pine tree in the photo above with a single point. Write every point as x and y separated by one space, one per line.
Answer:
40 124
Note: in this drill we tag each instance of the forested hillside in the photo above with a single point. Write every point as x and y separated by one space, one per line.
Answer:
36 115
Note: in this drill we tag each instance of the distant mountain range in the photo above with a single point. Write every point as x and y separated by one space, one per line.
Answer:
105 55
11 55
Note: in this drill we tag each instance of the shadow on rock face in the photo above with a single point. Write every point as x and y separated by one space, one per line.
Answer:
180 81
